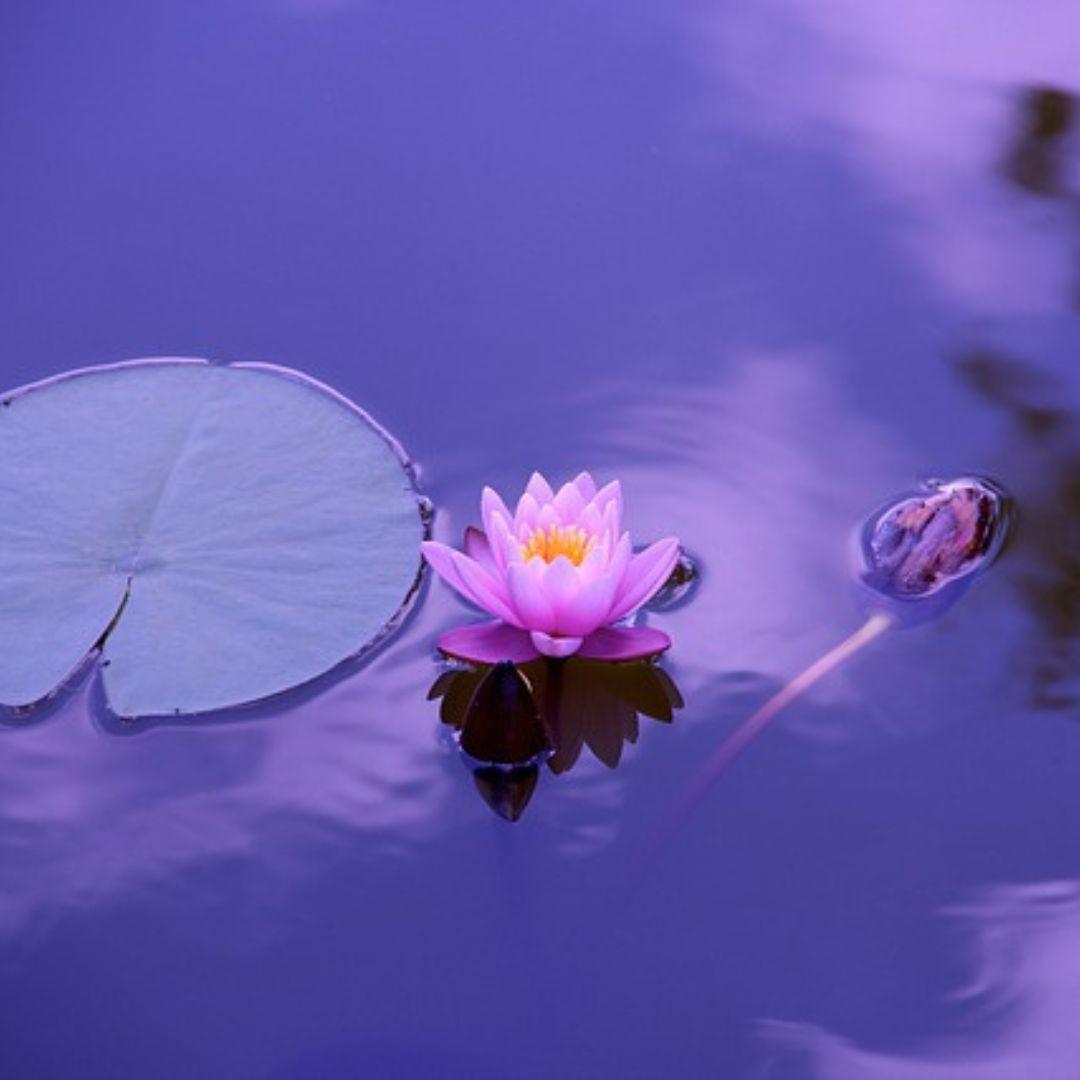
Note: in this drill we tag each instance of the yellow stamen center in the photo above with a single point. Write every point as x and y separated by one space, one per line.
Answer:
569 540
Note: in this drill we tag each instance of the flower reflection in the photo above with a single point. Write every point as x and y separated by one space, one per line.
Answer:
556 574
512 718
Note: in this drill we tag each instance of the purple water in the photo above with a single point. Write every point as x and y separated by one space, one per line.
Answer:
768 264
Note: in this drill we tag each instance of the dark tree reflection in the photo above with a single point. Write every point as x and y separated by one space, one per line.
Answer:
512 719
1037 158
1044 471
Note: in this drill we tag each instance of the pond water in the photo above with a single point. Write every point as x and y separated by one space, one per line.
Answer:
770 265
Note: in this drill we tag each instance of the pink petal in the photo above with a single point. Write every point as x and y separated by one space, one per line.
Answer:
610 495
549 516
478 549
539 489
578 608
569 504
533 608
609 564
610 522
505 547
586 485
476 584
620 558
646 573
589 608
526 516
491 507
595 564
624 643
487 643
556 647
591 520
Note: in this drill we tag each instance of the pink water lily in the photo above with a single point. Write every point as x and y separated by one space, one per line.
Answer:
556 574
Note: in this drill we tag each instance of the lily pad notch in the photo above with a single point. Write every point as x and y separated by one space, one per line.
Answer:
216 533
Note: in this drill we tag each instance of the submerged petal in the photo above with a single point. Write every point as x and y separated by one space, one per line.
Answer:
488 643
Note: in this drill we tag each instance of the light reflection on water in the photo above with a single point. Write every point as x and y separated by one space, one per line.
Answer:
770 266
1016 1015
920 102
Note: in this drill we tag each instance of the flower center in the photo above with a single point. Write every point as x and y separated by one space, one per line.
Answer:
569 540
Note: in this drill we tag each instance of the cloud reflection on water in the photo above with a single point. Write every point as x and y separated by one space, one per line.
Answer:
1018 1010
103 818
736 464
919 98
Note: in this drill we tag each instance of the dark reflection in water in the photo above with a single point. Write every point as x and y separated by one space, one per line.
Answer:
512 718
1044 461
1037 159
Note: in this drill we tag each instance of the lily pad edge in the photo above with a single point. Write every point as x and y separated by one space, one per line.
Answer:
91 659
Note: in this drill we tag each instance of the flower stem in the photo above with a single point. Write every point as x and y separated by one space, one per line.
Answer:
740 739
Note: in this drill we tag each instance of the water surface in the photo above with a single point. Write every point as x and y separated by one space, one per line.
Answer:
769 267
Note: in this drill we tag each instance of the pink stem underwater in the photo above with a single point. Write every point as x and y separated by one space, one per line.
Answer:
740 739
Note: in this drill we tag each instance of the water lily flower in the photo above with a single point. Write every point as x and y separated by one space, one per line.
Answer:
557 574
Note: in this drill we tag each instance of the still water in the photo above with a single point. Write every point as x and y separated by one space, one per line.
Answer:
769 265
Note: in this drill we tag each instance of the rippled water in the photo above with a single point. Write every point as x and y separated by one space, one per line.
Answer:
769 265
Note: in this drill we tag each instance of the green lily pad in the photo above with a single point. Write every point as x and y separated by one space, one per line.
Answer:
222 532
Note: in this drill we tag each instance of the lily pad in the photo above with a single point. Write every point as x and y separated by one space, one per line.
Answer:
222 532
